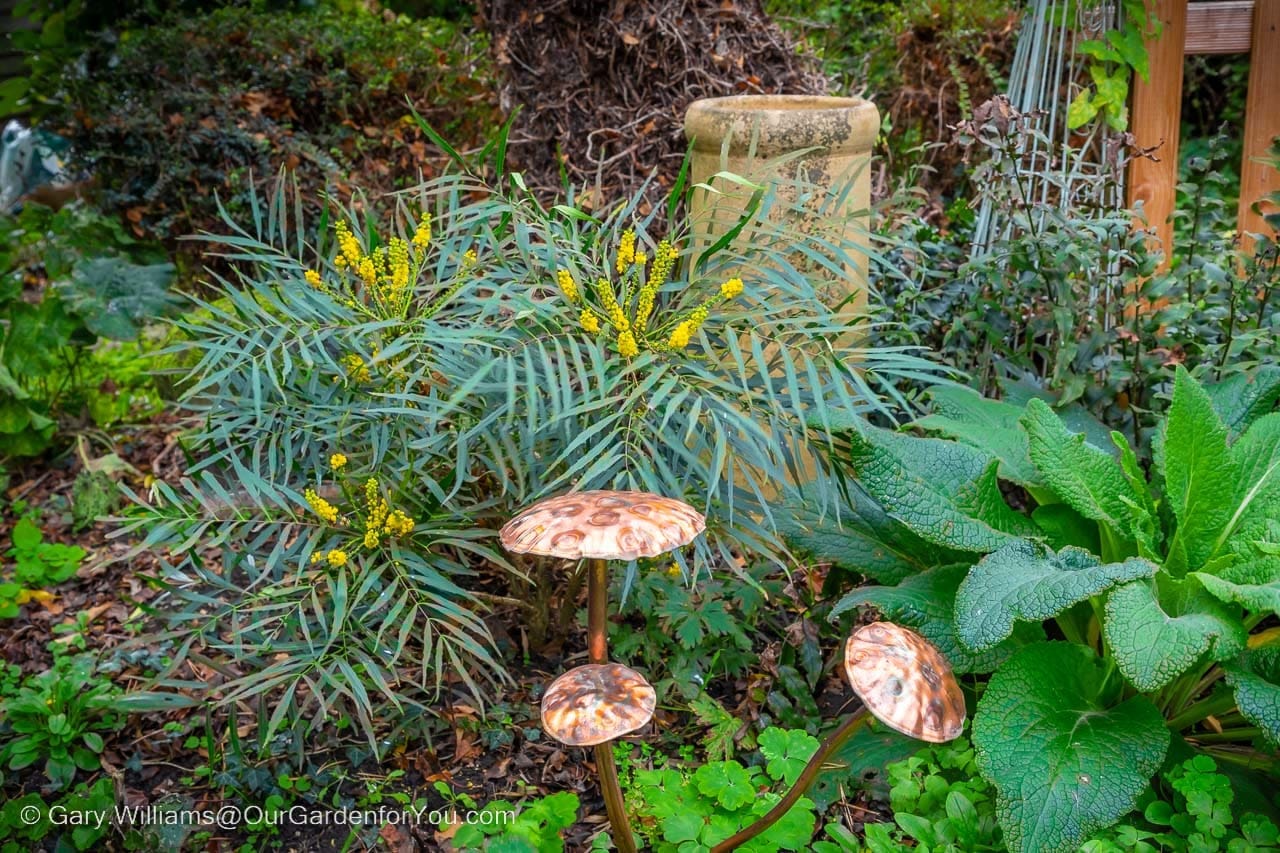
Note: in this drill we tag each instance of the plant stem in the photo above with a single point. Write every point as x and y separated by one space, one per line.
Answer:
1200 710
852 723
598 652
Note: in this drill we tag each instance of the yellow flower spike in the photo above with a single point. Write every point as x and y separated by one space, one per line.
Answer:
371 492
337 461
626 250
422 236
680 337
612 309
641 259
337 558
627 345
320 506
674 570
316 557
567 285
368 271
664 260
731 288
313 278
340 262
644 305
356 368
348 244
590 322
371 539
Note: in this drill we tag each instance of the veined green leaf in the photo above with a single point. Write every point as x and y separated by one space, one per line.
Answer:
1159 628
1256 679
1254 585
989 425
1026 581
1067 757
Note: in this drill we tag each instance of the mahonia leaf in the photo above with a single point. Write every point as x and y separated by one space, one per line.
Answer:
1066 757
1256 679
1158 629
1025 580
926 602
1200 475
1087 479
946 492
989 425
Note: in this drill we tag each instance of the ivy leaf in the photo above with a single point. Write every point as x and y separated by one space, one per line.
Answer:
1254 585
1066 757
926 603
1158 629
1256 679
1199 473
1027 581
989 425
787 752
946 492
1087 479
1082 109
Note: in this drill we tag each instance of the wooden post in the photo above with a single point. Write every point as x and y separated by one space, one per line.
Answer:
1156 120
1261 119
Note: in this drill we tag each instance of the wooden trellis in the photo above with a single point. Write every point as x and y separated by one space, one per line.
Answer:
1235 26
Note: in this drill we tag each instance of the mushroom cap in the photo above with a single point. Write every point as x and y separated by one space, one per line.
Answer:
905 682
596 703
603 525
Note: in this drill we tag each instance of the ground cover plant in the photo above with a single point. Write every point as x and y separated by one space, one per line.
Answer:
1117 609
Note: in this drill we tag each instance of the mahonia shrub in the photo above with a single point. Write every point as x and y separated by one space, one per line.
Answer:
373 406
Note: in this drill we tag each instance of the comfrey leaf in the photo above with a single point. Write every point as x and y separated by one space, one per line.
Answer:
1158 629
1243 398
1256 679
989 425
1026 581
1067 758
1254 585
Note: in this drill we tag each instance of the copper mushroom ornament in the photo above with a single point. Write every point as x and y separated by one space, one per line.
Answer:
599 526
903 681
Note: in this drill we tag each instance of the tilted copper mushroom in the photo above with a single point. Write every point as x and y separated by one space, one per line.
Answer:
599 526
903 681
596 703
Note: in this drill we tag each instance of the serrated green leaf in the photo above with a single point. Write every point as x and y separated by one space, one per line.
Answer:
1256 679
926 603
1199 473
1066 757
946 492
1087 479
1158 629
1026 581
1255 460
1254 585
989 425
1242 398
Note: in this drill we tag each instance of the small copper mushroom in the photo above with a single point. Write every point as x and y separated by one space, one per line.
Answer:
599 526
903 681
596 703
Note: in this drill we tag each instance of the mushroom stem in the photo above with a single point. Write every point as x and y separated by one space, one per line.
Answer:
598 652
811 770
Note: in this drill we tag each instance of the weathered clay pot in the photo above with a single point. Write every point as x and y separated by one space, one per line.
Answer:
747 134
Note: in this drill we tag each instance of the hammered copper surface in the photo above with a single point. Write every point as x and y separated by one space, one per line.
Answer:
603 525
595 703
905 682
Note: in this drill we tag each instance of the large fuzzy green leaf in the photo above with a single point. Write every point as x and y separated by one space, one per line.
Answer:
1087 479
926 602
863 538
1200 475
1256 461
990 425
946 492
1244 397
1254 585
1256 679
1158 629
1026 581
114 296
1066 756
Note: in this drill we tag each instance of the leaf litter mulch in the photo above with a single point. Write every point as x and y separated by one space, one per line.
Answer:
491 754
